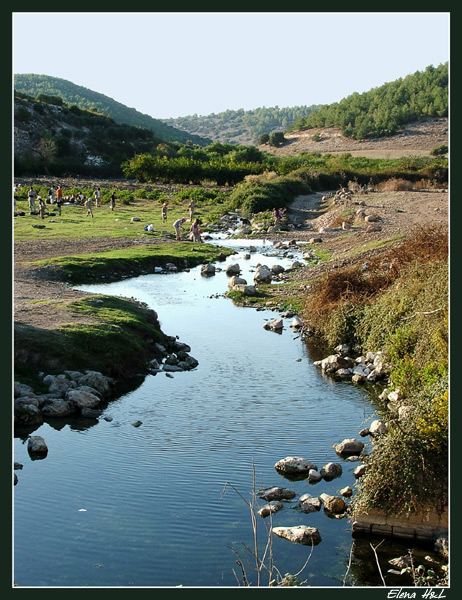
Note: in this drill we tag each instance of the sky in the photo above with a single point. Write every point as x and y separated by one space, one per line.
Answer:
176 64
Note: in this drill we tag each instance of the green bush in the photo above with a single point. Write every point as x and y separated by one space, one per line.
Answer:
439 150
47 99
276 138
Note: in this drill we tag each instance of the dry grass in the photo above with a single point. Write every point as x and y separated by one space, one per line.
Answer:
359 284
396 184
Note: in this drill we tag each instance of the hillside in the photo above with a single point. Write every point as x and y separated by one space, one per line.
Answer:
33 85
241 126
417 138
383 110
63 140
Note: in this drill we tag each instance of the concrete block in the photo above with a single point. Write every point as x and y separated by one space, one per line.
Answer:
386 530
404 532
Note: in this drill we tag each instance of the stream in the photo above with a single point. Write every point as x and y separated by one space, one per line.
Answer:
164 504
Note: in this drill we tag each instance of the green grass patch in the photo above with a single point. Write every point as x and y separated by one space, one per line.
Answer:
286 296
114 264
241 299
323 254
376 244
116 337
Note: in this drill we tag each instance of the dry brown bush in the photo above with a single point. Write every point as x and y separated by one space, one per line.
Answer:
425 244
359 284
395 185
398 184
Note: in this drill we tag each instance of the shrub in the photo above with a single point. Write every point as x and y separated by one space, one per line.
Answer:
22 114
416 454
276 138
439 150
55 100
395 184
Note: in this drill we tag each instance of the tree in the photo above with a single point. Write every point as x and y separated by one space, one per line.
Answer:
263 139
276 138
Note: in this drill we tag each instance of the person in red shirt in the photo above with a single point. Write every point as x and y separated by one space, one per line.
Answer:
59 199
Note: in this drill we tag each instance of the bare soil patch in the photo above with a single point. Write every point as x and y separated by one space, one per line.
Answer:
414 139
397 214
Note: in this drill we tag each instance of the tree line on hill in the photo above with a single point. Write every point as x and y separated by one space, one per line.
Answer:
382 110
242 126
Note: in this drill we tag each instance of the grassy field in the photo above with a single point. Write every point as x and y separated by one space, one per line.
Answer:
75 224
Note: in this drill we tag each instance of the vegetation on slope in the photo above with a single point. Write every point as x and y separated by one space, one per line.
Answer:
382 110
53 137
242 127
117 337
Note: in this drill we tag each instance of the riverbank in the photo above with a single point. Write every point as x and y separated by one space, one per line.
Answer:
58 328
40 300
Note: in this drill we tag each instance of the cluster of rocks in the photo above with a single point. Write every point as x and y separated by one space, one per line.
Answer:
396 404
233 223
344 194
263 274
173 359
278 323
334 505
69 393
370 368
73 392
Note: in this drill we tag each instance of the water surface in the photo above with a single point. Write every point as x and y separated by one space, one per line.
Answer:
117 505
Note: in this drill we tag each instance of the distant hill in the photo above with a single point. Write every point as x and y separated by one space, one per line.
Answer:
33 85
379 112
241 126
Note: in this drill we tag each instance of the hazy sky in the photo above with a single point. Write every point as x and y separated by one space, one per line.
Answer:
177 64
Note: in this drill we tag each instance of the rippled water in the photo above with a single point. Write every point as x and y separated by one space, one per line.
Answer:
118 505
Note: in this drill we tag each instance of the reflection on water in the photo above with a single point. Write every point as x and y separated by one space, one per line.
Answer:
118 505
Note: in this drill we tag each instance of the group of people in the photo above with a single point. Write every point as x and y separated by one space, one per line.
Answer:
88 203
56 198
194 231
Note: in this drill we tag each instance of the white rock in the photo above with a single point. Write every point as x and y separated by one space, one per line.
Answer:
300 534
294 464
